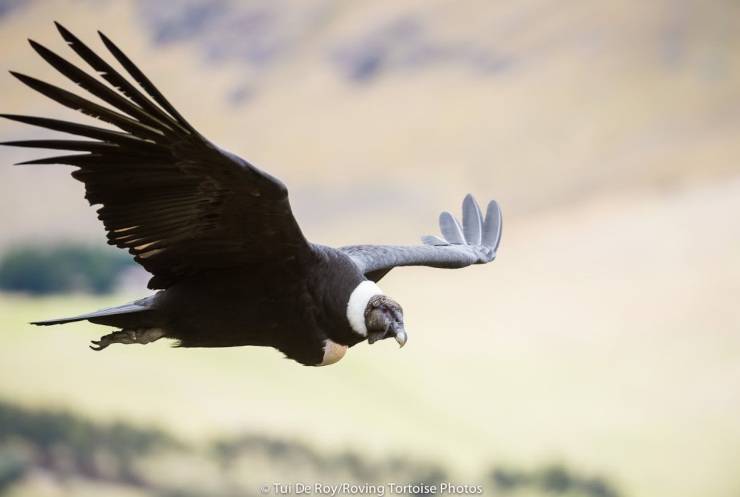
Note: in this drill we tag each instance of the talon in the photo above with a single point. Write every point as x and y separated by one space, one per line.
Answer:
141 336
98 345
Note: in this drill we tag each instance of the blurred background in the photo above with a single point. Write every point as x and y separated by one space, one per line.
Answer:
599 356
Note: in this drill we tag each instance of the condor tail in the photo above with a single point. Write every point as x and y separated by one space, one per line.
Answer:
113 316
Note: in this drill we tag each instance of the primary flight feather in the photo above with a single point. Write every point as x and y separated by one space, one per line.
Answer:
218 235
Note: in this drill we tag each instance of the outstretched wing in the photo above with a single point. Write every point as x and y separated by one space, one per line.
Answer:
178 203
473 242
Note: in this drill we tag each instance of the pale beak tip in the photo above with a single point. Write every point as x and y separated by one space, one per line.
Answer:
401 338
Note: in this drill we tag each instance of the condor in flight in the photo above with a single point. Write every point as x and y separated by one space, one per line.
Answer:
218 234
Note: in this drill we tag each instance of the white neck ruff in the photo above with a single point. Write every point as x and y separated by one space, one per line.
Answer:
358 303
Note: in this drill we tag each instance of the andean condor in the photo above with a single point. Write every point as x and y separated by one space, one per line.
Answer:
218 234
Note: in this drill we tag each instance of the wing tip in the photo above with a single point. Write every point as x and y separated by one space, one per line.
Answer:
107 41
494 209
27 80
42 50
468 202
472 220
65 33
451 229
15 143
493 225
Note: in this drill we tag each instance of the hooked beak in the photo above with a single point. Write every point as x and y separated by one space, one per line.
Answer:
399 333
401 337
396 331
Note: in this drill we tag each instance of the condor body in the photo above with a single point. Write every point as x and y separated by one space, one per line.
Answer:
229 261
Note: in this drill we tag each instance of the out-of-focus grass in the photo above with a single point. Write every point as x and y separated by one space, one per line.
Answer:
67 451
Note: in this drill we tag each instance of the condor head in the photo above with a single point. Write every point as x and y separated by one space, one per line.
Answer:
384 319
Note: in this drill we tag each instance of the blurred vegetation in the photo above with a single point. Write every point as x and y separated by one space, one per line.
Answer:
43 270
72 451
68 445
554 479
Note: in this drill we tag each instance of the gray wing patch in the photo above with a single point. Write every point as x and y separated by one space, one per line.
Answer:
451 229
433 240
475 241
472 220
475 231
492 226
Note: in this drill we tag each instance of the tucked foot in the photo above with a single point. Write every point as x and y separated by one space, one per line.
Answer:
142 336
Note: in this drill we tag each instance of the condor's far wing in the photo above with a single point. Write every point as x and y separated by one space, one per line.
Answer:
178 203
473 242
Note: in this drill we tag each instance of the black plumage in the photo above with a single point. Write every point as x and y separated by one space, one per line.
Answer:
218 234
